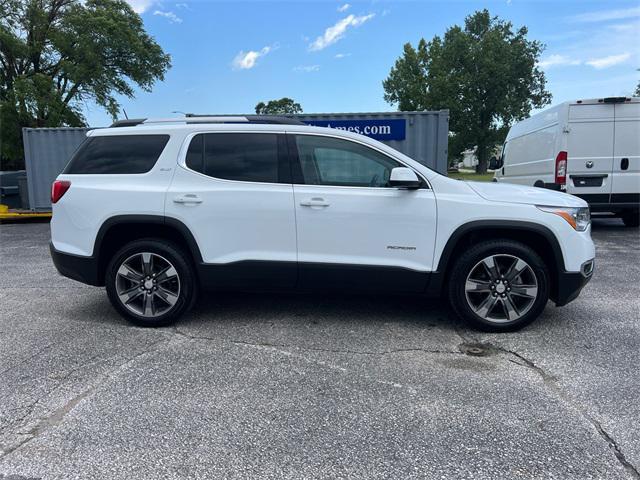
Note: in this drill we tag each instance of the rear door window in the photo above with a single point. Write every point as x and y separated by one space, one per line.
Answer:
117 154
247 157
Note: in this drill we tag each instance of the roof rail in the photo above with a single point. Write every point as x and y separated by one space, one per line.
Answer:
266 119
129 122
194 119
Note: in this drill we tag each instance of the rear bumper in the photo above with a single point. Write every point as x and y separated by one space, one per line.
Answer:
76 267
616 202
614 207
603 202
570 284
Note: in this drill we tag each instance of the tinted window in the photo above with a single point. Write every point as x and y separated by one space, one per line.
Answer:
117 154
195 154
503 155
249 157
332 161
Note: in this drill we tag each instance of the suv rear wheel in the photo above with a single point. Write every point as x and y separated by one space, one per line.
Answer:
499 285
150 282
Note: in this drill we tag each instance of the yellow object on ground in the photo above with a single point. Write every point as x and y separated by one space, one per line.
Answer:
6 214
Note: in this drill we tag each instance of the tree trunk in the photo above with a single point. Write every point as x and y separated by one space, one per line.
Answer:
482 152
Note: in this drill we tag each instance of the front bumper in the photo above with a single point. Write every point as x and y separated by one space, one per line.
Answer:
570 284
76 267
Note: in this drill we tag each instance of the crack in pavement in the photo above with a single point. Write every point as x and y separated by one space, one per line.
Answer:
30 408
278 349
33 355
551 382
317 349
57 416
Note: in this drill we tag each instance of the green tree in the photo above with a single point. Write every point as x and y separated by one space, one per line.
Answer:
56 55
485 73
284 106
637 92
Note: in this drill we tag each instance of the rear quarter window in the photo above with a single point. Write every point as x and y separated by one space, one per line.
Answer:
117 154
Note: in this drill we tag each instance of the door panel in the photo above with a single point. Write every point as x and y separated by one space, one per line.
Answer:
626 173
366 226
360 237
590 149
245 230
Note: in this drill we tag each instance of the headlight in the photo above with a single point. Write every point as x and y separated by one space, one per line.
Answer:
578 217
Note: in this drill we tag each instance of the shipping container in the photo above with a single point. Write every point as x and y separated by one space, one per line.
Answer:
423 136
46 152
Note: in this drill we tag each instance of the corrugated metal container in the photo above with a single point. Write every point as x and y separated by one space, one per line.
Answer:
423 136
46 152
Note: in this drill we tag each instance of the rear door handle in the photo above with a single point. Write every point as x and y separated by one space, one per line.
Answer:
187 198
624 164
315 202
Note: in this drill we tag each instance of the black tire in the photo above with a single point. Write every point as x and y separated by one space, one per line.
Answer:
186 281
470 260
631 219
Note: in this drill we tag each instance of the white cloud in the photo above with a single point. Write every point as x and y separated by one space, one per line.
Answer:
307 68
342 55
610 61
606 15
140 6
182 5
559 60
344 8
336 32
631 27
172 17
247 60
597 63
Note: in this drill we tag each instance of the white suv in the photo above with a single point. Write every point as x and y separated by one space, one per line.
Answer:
158 210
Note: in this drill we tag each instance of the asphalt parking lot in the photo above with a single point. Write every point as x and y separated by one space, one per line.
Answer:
286 386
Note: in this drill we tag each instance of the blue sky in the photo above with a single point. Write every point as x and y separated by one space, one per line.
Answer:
332 56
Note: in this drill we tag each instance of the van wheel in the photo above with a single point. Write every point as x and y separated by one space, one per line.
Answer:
150 282
631 219
499 286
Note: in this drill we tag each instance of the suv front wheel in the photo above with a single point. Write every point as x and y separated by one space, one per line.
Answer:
499 285
150 282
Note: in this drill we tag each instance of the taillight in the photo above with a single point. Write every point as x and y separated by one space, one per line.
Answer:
58 189
561 168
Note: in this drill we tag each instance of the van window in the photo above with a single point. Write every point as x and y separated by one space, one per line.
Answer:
503 156
333 161
117 154
248 157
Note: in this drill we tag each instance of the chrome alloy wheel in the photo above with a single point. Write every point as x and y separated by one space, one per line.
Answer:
501 288
147 284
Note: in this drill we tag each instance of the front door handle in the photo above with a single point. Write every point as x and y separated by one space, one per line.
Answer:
187 198
315 202
624 164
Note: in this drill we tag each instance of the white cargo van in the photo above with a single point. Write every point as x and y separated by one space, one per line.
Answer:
589 148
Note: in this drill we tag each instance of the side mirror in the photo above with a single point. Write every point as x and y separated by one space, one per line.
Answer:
403 177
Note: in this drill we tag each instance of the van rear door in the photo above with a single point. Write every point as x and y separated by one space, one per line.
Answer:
626 155
590 151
